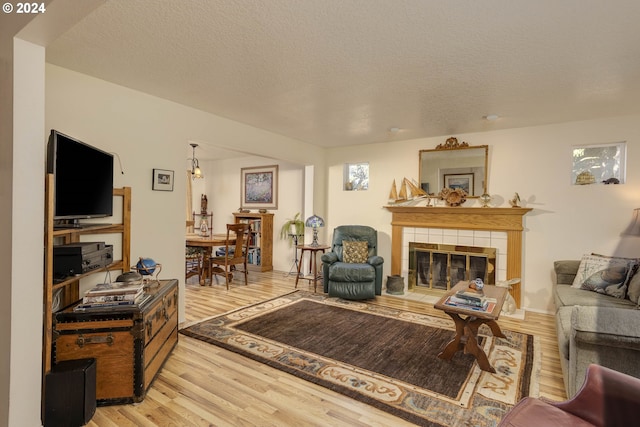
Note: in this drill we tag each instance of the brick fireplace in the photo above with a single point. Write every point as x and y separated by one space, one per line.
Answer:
499 228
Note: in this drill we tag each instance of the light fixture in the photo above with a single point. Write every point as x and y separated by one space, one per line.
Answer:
492 117
195 167
634 228
314 222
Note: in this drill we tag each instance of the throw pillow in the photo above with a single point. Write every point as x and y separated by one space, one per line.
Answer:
610 281
634 263
355 252
606 275
633 291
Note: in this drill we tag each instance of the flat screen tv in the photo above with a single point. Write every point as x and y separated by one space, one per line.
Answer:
83 179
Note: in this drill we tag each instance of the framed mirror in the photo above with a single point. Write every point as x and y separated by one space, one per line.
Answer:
454 165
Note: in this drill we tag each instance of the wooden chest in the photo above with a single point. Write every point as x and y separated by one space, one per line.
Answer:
129 343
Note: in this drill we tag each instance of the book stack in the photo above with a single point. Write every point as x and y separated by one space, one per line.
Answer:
470 300
112 295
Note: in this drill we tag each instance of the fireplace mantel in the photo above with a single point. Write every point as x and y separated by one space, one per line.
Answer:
508 220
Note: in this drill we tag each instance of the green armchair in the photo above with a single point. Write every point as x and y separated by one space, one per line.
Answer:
353 280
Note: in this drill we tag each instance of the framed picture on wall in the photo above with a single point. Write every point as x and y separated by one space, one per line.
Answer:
162 180
459 180
259 187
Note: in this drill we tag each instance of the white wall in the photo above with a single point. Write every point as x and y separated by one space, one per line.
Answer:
567 220
148 132
223 191
23 234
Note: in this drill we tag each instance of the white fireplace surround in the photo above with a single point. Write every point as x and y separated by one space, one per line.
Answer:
452 225
448 236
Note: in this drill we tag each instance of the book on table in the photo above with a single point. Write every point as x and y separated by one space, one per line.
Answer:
115 288
91 298
487 304
112 295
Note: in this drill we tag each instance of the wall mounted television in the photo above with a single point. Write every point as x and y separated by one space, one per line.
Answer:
83 180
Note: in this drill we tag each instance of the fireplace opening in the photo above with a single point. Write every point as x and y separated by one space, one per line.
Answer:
435 266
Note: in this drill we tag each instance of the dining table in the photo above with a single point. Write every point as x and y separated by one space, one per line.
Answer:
207 243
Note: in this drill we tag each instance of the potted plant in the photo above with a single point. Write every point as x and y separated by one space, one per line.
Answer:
292 227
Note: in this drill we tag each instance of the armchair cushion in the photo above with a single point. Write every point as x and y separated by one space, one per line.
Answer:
355 252
352 272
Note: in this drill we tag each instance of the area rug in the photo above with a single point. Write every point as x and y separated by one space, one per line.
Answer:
381 356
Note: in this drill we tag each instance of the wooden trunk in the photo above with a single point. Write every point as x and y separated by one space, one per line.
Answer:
130 344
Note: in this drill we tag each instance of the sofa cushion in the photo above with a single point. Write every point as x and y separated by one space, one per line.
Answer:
606 275
354 252
568 296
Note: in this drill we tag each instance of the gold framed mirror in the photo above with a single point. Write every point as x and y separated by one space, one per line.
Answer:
455 165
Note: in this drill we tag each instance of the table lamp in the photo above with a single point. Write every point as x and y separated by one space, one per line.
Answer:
314 222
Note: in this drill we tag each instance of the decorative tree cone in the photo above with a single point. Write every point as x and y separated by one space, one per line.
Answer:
395 285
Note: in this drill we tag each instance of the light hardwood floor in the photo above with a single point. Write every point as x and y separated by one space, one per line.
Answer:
204 385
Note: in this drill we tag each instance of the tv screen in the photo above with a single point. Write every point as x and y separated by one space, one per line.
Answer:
83 178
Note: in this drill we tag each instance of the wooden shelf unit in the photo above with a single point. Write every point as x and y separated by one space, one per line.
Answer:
72 284
261 244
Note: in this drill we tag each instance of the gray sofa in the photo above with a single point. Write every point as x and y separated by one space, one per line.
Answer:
594 328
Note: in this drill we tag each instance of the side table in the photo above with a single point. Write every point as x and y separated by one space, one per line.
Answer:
468 321
313 262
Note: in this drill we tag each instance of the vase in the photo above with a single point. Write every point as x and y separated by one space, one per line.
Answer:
395 285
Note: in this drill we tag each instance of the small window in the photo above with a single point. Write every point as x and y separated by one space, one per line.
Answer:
356 176
597 164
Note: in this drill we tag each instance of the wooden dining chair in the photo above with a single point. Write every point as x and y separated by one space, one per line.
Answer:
193 257
234 254
193 261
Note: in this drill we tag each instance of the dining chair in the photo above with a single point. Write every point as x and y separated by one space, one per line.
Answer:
234 254
193 261
193 257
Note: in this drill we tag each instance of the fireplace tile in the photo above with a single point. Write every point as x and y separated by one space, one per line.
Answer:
449 240
465 240
422 233
482 241
450 232
481 234
436 233
465 233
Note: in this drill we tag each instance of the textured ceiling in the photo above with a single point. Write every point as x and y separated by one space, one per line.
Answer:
343 72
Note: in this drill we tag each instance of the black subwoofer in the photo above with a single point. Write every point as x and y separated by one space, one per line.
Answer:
70 393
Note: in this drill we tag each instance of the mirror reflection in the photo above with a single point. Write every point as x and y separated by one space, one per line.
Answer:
460 167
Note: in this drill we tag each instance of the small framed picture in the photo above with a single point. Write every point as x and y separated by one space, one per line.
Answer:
459 180
162 180
259 187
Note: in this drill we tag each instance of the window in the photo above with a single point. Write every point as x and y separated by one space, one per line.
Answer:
356 176
595 164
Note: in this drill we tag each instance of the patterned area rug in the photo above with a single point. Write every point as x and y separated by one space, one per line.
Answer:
381 356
